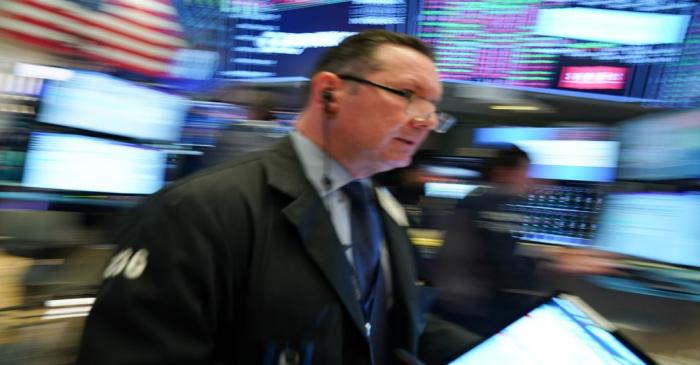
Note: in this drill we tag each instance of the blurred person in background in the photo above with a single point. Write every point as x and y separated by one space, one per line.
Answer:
482 277
262 108
241 137
288 256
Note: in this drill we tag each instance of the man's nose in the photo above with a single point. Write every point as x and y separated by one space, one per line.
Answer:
427 121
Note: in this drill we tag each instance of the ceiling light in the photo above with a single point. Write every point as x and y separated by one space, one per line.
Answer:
515 107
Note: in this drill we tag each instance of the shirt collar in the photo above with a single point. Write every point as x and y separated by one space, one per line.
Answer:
312 159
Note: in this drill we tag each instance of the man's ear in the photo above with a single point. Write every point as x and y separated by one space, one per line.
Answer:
325 85
327 96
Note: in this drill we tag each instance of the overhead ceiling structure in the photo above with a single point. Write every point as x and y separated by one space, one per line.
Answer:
480 103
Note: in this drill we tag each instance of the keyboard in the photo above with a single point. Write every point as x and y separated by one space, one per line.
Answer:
556 214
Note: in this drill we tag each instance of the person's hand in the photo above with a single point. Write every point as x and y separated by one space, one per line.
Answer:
582 261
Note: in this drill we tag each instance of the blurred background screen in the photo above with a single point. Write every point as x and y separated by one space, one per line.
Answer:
80 163
206 120
99 102
657 226
661 147
287 37
582 154
569 47
14 133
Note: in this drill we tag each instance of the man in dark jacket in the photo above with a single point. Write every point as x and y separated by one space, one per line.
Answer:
478 263
482 278
257 262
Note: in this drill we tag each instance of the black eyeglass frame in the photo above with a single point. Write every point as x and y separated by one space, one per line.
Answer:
443 123
403 93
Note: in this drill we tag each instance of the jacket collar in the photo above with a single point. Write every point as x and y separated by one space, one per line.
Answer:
308 214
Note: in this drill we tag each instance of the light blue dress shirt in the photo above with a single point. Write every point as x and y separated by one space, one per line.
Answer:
314 161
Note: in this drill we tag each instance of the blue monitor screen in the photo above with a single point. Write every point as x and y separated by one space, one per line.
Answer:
79 163
102 103
206 121
577 154
626 50
285 39
661 147
657 226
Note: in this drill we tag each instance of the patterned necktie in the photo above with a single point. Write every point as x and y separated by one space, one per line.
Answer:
367 238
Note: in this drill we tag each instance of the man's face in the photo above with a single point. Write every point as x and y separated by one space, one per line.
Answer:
514 179
375 122
521 179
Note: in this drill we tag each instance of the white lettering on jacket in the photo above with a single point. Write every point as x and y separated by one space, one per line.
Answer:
130 263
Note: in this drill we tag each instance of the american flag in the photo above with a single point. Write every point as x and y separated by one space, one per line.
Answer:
137 35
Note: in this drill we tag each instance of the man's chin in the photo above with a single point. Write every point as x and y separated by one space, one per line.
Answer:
385 164
395 164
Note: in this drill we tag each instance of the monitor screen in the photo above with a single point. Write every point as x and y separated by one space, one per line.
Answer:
448 190
102 103
577 154
79 163
284 39
559 214
206 120
656 226
573 47
14 135
563 330
661 147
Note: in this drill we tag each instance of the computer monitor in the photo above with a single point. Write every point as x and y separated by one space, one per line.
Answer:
283 40
558 214
576 154
79 163
206 120
661 227
14 133
661 147
626 50
98 102
448 190
562 330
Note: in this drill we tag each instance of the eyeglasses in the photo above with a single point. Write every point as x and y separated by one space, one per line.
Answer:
417 108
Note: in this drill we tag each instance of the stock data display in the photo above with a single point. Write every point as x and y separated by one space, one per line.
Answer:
657 226
661 147
276 39
14 136
643 50
559 214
